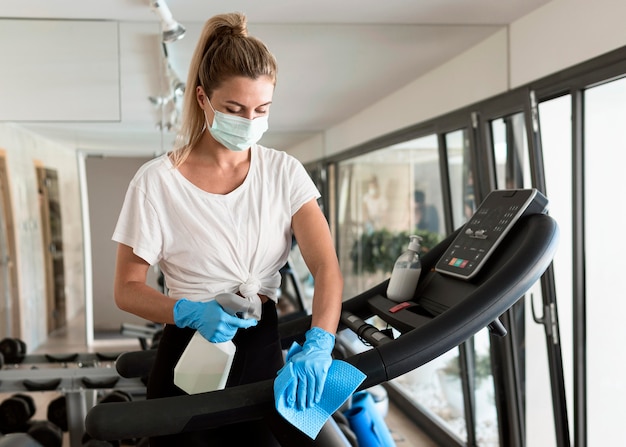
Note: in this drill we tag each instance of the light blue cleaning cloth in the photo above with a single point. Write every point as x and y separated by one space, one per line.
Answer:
342 380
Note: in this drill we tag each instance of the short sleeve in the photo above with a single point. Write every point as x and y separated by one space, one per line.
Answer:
303 189
138 226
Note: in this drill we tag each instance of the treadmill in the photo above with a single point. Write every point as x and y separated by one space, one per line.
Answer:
467 281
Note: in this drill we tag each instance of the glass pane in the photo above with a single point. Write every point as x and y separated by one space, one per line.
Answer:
436 388
511 152
605 158
383 197
486 413
461 177
556 130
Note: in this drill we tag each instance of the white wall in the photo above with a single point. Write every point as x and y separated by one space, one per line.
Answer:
564 33
552 38
107 181
22 149
82 51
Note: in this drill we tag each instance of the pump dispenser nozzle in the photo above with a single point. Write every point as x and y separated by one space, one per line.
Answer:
414 242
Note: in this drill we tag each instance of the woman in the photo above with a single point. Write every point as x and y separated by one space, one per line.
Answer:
217 214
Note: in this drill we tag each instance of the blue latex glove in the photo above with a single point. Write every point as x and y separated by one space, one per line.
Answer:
210 319
310 366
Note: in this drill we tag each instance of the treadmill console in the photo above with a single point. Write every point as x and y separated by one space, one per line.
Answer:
488 226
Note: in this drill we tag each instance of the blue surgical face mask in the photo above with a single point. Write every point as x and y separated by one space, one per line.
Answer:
235 132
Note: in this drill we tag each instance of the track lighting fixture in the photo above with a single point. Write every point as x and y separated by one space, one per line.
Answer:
170 102
156 101
172 30
178 87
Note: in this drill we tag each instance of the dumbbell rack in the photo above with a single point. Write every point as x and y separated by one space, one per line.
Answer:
77 376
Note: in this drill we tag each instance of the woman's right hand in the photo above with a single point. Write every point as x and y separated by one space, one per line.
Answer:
210 319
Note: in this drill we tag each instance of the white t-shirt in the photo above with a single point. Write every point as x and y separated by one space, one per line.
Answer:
208 243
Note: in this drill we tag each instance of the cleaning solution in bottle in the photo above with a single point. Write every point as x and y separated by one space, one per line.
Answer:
204 366
406 272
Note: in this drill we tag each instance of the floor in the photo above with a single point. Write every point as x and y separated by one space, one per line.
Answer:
71 339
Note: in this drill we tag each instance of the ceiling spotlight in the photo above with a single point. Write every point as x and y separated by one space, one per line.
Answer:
172 30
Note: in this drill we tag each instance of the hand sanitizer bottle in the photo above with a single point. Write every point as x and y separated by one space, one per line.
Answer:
406 272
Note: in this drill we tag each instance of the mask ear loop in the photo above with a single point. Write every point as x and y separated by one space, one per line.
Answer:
206 122
209 103
206 119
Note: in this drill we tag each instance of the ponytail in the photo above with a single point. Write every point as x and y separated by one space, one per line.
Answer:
223 51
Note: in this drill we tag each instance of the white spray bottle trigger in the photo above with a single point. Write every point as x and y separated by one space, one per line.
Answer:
233 303
204 366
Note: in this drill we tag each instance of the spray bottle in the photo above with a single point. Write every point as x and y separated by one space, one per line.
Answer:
406 272
204 366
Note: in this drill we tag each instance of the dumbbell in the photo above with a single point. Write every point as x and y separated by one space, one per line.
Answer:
57 412
13 350
46 433
15 412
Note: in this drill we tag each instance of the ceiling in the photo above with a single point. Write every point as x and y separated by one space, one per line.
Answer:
80 72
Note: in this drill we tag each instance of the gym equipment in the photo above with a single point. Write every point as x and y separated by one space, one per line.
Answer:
15 412
13 350
88 441
344 427
444 312
291 295
150 331
57 412
78 376
46 433
117 396
81 359
367 423
18 440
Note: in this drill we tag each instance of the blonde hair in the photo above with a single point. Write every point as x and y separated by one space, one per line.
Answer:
223 51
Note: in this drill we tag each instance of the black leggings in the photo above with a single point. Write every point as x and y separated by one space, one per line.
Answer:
258 357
